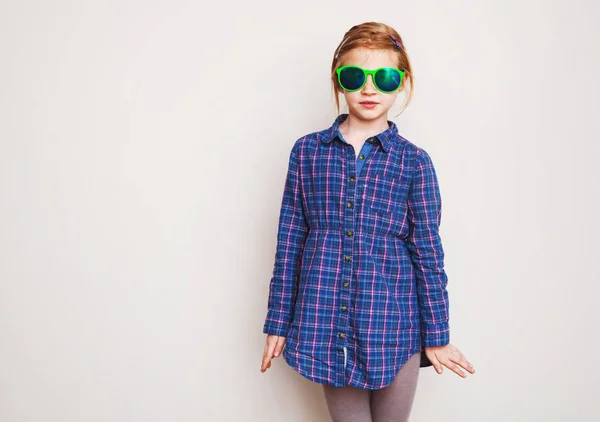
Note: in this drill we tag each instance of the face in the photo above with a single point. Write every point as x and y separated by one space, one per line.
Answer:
369 103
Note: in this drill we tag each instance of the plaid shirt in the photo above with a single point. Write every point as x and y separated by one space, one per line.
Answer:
358 283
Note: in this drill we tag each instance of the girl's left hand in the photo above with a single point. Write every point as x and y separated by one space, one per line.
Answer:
450 357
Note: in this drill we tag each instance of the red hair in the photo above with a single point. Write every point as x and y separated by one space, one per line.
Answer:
373 35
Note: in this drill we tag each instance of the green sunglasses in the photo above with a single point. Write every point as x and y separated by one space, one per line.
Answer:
385 79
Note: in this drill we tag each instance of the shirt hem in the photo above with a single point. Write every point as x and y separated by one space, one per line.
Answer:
323 381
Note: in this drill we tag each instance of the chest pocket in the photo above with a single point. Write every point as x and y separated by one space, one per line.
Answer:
386 200
387 197
386 194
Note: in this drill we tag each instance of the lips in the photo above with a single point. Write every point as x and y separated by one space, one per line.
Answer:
369 105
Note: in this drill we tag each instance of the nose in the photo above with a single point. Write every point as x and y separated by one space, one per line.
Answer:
369 86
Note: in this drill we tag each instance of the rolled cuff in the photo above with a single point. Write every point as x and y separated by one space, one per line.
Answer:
435 334
276 326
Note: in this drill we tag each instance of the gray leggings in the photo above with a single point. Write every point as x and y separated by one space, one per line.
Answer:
392 403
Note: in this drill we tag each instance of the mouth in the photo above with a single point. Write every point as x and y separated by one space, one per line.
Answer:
369 105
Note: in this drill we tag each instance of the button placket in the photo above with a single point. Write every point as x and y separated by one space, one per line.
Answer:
349 160
366 152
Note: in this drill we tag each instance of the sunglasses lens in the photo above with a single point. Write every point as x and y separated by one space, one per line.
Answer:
388 79
351 78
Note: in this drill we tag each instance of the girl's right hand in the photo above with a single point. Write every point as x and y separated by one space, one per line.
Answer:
273 348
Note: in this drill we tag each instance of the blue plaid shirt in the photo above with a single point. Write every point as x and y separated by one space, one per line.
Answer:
358 284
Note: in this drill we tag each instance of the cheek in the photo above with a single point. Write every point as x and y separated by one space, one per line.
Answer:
350 97
391 98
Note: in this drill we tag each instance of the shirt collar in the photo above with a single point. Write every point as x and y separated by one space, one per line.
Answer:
386 137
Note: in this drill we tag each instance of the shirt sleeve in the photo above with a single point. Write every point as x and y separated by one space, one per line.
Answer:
427 255
291 236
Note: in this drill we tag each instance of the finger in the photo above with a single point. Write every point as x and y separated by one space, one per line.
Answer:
467 365
279 346
454 368
266 363
267 354
262 365
464 363
271 343
436 363
460 359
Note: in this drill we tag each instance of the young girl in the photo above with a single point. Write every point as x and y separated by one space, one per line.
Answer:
358 295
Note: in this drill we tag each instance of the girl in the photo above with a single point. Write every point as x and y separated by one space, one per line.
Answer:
358 295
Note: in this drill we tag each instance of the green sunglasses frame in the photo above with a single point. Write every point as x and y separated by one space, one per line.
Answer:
367 73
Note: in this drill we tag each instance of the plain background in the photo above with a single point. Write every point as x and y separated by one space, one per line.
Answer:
144 146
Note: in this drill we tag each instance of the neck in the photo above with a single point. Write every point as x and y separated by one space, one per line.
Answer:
363 129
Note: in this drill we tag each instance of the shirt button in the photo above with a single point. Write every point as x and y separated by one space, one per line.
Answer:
371 140
361 157
352 179
342 335
349 204
346 284
347 258
344 308
349 233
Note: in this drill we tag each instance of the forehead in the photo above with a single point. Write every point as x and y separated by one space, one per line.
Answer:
370 58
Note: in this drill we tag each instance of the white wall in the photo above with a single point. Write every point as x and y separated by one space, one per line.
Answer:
140 188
